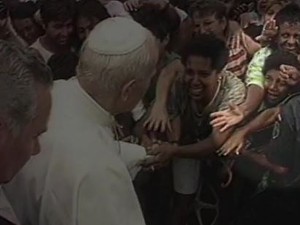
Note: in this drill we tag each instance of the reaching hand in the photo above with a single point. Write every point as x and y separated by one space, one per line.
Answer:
235 144
158 119
132 5
270 29
228 118
289 74
162 155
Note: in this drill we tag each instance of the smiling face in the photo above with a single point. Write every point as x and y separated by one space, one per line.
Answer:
276 89
289 37
209 25
200 78
60 32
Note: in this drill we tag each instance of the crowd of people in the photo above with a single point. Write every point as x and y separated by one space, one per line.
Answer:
149 112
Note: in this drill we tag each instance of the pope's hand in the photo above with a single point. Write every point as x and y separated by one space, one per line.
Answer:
162 154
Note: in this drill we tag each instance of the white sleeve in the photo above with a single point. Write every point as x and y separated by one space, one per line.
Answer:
139 111
108 198
132 155
116 9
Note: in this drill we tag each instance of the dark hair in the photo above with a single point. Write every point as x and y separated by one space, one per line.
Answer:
289 14
209 8
208 46
278 58
57 10
91 9
23 10
160 22
3 10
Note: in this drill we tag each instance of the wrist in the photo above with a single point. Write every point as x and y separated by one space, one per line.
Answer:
244 131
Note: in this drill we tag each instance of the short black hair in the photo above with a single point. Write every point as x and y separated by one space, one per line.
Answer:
208 46
278 58
161 23
91 9
3 10
289 14
23 10
57 10
208 8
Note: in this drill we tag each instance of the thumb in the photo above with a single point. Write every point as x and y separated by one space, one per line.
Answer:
232 106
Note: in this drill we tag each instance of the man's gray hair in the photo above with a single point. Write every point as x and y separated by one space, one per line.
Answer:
21 70
117 50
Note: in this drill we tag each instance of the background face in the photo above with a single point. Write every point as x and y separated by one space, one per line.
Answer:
289 37
276 89
208 25
60 32
27 29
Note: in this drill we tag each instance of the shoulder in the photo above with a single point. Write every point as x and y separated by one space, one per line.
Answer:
290 112
234 91
234 28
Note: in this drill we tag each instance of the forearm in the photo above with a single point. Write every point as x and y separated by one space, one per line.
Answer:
163 86
175 134
263 120
205 147
254 98
198 150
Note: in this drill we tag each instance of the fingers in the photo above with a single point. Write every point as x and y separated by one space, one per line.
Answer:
219 122
226 127
219 114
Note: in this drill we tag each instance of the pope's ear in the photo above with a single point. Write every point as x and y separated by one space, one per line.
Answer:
127 89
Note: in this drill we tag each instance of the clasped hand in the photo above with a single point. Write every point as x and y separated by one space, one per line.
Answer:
158 155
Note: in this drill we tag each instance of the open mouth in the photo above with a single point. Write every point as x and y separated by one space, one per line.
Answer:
272 96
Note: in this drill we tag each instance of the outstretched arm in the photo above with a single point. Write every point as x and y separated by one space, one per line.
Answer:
159 118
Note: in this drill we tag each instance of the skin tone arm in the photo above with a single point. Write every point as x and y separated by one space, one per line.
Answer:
223 120
262 160
253 100
159 119
237 141
203 148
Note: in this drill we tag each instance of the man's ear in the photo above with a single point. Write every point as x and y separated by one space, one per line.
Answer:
127 89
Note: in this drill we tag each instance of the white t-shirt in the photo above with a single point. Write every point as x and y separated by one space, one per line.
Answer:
40 48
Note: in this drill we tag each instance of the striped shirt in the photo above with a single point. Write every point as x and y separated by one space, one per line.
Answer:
238 56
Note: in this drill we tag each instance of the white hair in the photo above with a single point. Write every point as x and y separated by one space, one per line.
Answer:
110 71
20 70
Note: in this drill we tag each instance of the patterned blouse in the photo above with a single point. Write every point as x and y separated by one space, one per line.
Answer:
195 125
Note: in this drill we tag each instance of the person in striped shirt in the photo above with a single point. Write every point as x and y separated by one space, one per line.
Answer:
287 38
210 17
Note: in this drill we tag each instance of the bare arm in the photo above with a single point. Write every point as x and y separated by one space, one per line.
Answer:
205 147
263 120
254 98
165 81
159 118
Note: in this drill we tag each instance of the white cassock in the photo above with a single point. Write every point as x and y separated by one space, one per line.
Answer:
82 174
